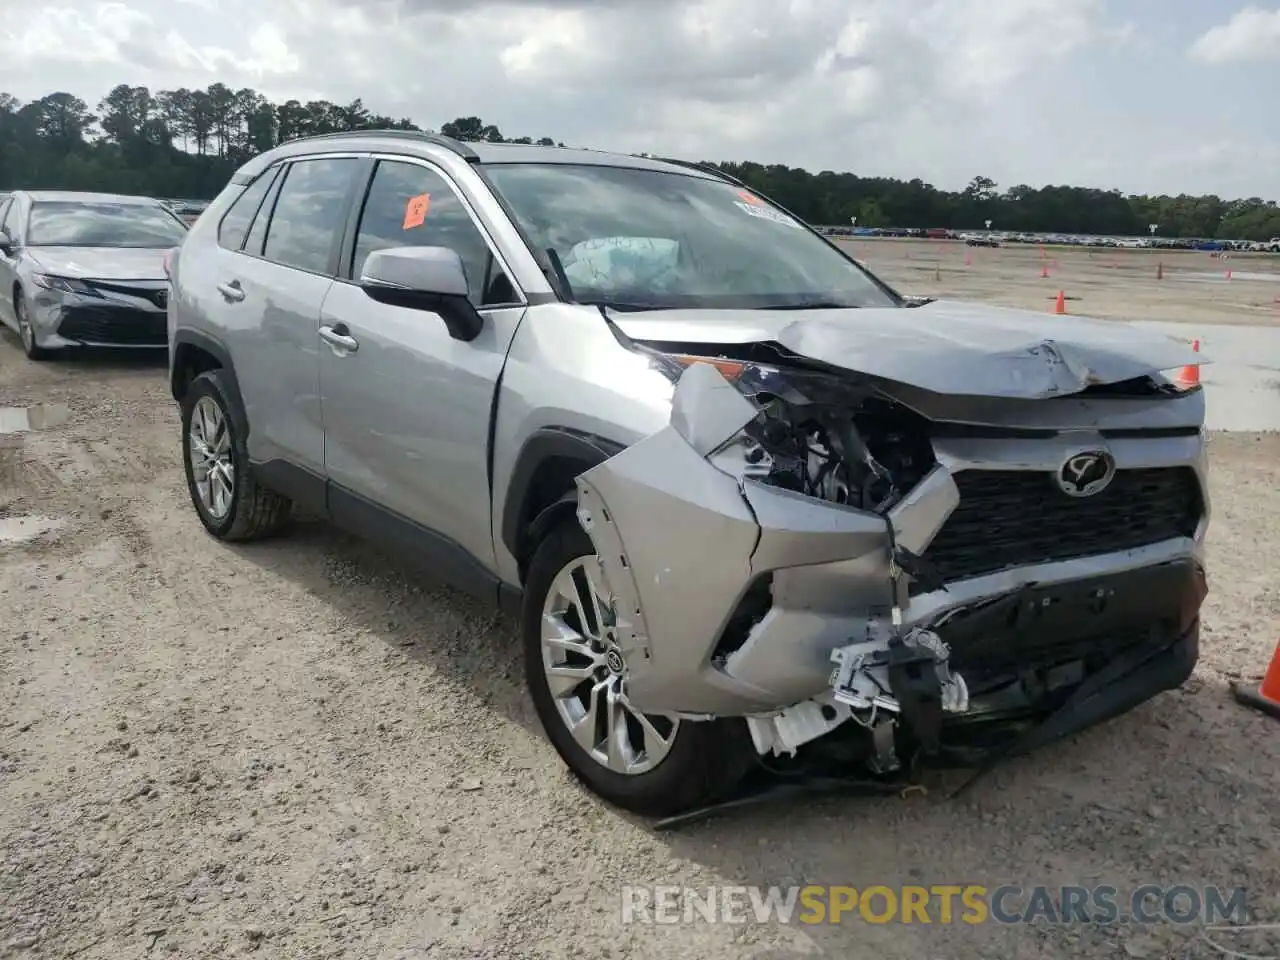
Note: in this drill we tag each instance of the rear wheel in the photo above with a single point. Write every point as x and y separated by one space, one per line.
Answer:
654 765
26 332
230 502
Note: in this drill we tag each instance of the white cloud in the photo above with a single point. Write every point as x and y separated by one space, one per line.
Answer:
53 35
936 89
1251 34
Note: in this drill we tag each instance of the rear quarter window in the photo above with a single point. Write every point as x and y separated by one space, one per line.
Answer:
235 222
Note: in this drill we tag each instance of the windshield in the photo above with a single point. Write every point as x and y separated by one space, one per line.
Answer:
67 223
646 239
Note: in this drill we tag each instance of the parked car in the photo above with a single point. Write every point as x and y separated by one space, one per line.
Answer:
85 269
1273 245
749 503
188 210
980 240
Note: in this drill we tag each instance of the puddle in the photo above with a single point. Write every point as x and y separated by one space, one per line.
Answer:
39 417
26 529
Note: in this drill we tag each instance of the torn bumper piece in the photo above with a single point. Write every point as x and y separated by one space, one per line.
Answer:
682 541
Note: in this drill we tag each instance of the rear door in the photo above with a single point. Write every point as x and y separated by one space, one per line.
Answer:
274 270
407 413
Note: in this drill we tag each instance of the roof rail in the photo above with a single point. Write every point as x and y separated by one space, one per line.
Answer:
703 167
457 146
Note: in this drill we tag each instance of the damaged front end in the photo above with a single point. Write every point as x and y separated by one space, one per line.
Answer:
767 558
756 550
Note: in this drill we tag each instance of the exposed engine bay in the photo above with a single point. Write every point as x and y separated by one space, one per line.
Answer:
823 436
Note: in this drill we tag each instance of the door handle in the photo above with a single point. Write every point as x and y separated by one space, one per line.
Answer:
231 292
340 338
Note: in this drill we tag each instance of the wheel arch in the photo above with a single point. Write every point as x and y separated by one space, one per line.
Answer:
541 491
194 353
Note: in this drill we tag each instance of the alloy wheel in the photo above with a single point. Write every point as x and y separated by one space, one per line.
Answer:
209 447
25 331
587 675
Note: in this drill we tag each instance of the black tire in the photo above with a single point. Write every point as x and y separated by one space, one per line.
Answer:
256 512
32 351
706 761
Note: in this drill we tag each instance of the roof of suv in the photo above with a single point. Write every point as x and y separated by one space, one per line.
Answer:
475 152
73 196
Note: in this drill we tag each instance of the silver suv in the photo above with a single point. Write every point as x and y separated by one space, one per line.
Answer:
754 509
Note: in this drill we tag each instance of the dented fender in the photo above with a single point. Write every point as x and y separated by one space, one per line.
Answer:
681 541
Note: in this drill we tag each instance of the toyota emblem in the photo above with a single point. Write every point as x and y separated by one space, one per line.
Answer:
1086 474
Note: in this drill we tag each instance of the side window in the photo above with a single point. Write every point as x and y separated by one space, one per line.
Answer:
310 212
5 206
235 222
412 206
258 232
13 219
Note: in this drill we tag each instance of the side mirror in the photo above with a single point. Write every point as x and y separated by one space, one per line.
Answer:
6 244
424 278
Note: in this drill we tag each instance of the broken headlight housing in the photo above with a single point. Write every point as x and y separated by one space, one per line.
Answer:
821 434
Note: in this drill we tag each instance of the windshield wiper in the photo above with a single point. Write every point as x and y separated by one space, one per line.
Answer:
622 306
812 305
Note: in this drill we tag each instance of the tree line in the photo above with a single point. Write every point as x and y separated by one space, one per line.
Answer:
186 143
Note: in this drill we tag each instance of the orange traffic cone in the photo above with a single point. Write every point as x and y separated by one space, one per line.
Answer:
1060 307
1044 272
968 259
1228 274
1266 696
1190 375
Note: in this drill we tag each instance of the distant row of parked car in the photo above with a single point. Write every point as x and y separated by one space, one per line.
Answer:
995 239
188 210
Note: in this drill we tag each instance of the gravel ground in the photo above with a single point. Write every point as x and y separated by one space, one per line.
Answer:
300 748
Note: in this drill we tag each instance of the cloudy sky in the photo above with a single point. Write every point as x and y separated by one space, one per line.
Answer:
1142 95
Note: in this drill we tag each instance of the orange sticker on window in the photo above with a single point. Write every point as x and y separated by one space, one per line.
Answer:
415 211
750 198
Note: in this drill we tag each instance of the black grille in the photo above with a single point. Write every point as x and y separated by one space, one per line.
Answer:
158 296
1012 518
122 327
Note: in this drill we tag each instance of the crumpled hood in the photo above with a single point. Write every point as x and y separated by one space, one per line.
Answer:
946 346
100 263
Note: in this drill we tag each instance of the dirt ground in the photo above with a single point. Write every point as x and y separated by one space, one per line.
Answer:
1118 284
302 749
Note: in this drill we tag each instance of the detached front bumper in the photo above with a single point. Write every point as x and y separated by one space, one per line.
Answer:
691 551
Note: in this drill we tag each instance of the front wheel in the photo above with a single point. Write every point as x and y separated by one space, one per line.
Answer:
26 332
654 765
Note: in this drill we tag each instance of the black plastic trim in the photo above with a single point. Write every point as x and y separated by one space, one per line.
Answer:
543 445
347 248
304 487
202 341
1040 619
446 559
